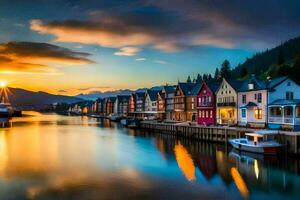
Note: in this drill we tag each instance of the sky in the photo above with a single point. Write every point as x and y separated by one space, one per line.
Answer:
81 46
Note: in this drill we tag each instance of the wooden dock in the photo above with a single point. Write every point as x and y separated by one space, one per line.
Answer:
218 133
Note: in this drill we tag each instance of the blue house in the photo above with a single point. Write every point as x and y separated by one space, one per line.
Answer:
283 104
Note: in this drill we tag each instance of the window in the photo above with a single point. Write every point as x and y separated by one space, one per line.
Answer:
288 111
258 114
199 100
206 114
255 96
289 95
298 111
288 84
211 114
244 112
209 99
259 97
244 99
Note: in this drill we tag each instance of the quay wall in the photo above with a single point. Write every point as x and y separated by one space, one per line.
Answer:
219 134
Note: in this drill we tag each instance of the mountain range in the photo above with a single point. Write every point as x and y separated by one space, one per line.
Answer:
25 99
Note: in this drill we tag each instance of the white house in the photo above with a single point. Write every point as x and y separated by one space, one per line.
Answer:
252 103
151 103
284 104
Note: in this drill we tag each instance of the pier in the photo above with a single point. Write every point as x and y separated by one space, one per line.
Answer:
218 133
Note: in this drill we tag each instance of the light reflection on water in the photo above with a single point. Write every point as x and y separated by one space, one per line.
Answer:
48 156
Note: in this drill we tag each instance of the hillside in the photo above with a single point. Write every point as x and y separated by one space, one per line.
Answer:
25 99
260 63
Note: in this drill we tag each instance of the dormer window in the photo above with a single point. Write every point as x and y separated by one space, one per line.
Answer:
250 86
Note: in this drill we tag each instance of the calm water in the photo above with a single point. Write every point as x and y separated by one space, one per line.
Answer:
59 157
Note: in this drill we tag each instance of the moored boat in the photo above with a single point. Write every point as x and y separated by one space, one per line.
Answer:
6 110
262 141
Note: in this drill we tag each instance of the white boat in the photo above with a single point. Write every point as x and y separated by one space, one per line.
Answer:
262 141
6 110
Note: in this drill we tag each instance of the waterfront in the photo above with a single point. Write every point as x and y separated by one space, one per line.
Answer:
49 156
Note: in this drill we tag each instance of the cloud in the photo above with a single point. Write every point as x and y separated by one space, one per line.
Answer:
141 59
162 62
62 91
179 25
32 57
127 51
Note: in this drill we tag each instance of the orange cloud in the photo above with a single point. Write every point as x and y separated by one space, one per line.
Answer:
127 51
31 57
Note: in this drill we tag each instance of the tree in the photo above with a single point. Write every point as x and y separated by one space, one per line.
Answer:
209 77
280 58
199 78
244 72
189 79
204 77
296 68
225 69
217 74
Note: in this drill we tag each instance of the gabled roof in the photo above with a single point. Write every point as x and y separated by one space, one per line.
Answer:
189 89
152 94
257 84
271 84
140 94
212 85
123 98
170 88
112 99
235 84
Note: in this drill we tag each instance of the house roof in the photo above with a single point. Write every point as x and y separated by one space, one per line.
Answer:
122 98
140 94
285 102
257 84
153 94
189 89
275 82
235 84
170 88
212 85
112 99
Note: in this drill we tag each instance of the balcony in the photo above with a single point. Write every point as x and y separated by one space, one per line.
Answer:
226 104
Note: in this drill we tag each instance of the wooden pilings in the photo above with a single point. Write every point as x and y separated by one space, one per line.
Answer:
215 134
218 134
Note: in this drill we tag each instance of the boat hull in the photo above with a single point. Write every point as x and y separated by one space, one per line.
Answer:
256 149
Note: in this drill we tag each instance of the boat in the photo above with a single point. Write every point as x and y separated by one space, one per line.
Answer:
125 121
6 110
115 118
262 141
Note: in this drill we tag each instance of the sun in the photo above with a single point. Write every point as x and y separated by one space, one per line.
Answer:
3 84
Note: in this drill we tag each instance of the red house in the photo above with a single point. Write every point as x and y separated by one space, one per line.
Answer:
206 103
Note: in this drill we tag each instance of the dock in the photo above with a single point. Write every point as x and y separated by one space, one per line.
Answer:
218 133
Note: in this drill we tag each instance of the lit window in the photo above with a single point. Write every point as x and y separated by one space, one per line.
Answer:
258 114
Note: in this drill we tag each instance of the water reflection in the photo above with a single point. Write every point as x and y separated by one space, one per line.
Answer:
185 162
59 157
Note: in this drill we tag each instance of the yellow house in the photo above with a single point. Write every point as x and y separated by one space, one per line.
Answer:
227 106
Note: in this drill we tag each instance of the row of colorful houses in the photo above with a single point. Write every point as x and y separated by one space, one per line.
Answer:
256 103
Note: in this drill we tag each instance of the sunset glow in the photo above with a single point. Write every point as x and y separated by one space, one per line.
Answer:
66 46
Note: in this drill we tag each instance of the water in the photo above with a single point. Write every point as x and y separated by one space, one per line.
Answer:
60 157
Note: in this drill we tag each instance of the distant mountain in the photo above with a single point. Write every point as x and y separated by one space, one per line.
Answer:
260 63
95 95
25 99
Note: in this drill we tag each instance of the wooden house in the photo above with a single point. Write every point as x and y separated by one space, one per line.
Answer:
227 104
206 103
283 104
